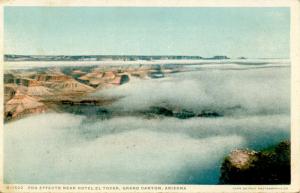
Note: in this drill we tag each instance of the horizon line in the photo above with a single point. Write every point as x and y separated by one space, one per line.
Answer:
147 55
140 55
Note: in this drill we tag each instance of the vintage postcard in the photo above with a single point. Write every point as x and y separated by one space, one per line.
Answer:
150 96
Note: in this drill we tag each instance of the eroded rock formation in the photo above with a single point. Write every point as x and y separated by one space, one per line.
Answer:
41 89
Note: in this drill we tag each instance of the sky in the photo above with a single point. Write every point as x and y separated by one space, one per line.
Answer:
235 32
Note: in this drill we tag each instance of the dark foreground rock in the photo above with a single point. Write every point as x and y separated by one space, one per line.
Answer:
270 166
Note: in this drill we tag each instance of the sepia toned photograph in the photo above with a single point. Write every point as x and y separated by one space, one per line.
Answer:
147 95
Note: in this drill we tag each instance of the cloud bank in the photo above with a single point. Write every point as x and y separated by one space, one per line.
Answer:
67 148
256 91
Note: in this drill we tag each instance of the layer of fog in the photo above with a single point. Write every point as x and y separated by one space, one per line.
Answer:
255 91
66 148
55 153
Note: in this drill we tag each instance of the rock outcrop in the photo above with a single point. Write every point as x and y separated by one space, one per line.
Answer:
155 111
21 105
270 166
